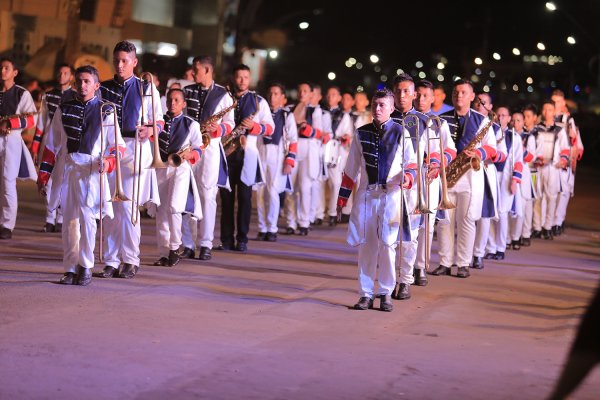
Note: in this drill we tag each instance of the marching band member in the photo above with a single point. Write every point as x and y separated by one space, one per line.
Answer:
245 170
528 183
377 158
123 236
336 149
404 94
75 135
515 224
552 155
422 103
17 113
317 207
467 193
180 147
347 104
278 156
567 175
439 96
489 213
52 99
362 114
205 99
509 173
309 120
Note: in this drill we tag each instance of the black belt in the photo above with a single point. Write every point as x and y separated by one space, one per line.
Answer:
128 134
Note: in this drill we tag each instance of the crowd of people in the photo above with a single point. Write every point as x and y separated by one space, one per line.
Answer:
393 167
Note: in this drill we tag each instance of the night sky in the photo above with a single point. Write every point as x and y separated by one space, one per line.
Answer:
402 33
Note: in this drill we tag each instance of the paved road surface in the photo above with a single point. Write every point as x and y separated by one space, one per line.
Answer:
275 323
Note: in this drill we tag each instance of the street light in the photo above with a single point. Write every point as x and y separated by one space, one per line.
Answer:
496 56
516 51
571 40
303 25
478 61
331 76
550 6
541 46
374 59
273 54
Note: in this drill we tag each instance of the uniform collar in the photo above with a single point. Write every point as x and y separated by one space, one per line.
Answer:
383 126
126 82
90 101
173 117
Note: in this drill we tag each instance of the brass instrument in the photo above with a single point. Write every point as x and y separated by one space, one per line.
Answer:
108 108
157 162
212 119
445 202
463 163
236 138
422 206
176 159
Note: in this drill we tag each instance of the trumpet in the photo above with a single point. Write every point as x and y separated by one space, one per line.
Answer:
157 162
107 108
176 159
422 206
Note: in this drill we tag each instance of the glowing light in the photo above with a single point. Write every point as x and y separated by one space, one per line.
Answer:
166 49
516 87
477 71
331 76
441 65
383 78
571 40
399 71
440 78
273 54
550 6
419 64
374 59
478 61
486 88
541 46
492 74
422 75
529 80
377 68
496 56
530 89
352 60
359 65
516 51
303 25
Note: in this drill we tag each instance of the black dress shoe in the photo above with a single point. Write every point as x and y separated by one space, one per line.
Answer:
67 279
536 234
526 242
261 236
488 256
58 228
318 222
205 253
241 247
345 218
271 237
84 276
186 252
303 231
108 272
556 230
403 291
463 272
386 303
224 246
364 303
499 255
161 262
441 270
332 221
174 258
5 233
420 277
547 234
48 228
477 262
290 231
516 245
129 271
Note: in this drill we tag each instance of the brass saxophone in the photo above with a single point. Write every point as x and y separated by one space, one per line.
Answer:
212 119
463 163
236 138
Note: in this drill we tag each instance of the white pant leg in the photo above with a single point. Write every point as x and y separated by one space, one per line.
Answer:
303 191
10 157
527 218
373 257
482 233
561 207
87 243
206 226
189 231
273 205
317 209
516 226
548 210
446 231
261 207
465 230
420 261
407 261
291 200
501 231
112 235
163 231
123 236
334 182
537 214
71 234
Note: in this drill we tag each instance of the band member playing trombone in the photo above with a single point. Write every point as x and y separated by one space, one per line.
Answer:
77 135
180 147
253 118
17 113
473 134
278 157
435 200
139 181
206 100
420 134
382 155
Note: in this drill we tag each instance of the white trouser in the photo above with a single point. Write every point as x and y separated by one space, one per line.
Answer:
52 216
202 231
298 204
406 260
527 218
79 239
561 207
10 157
317 207
122 237
464 227
545 206
498 234
168 224
267 206
334 181
482 232
420 262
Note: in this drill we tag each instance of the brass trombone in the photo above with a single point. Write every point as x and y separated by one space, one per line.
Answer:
157 162
422 206
107 108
